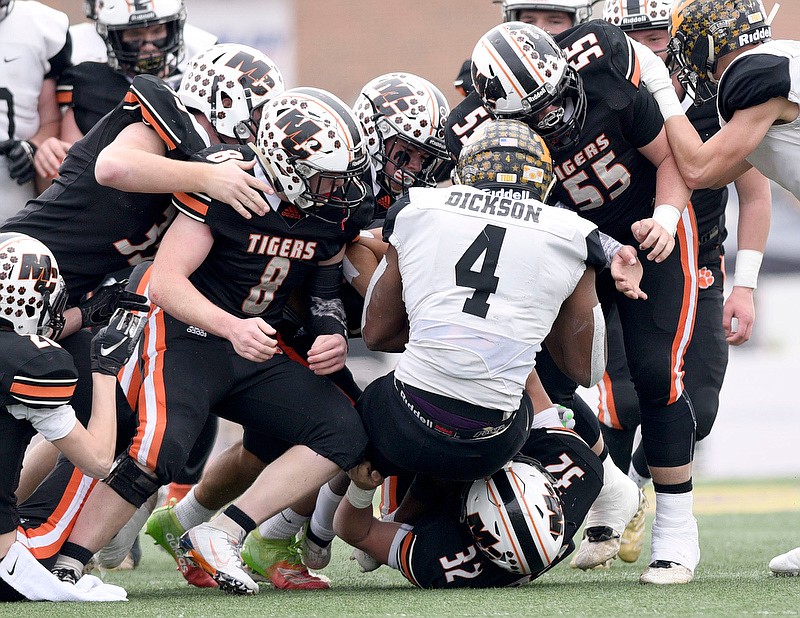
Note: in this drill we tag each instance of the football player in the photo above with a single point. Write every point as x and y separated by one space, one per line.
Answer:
39 378
728 42
35 48
144 38
554 16
311 149
460 543
707 355
615 167
427 417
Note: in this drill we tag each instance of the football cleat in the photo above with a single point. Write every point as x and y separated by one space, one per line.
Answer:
632 539
217 553
664 572
600 545
611 512
279 561
313 556
166 531
786 565
70 576
366 563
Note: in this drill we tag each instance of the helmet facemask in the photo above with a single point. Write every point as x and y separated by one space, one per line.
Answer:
51 320
398 154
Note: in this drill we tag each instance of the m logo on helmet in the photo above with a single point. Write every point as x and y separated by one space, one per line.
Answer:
485 539
394 95
40 268
255 73
299 132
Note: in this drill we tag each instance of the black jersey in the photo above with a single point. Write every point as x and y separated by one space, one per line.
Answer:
91 89
604 177
709 204
34 372
254 264
464 118
95 230
439 552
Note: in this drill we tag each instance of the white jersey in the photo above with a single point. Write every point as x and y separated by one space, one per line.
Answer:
484 277
88 46
30 36
767 71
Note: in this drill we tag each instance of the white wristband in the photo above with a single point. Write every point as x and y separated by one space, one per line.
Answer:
748 263
546 418
359 498
667 216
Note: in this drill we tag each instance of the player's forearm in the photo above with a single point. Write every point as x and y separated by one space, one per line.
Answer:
699 167
670 185
755 205
176 295
134 171
352 523
102 426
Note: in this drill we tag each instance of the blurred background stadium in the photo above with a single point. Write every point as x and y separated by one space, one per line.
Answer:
341 44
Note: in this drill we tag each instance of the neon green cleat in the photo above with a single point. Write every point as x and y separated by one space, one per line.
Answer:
278 560
166 530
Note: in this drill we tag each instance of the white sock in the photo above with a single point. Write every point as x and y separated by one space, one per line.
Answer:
641 481
322 520
675 535
190 512
284 525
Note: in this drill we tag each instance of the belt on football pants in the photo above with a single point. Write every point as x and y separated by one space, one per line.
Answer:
448 423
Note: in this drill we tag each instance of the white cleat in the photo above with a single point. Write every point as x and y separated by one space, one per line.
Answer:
786 565
611 512
366 563
663 572
314 556
217 553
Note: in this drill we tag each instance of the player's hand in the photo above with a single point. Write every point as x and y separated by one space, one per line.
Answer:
113 345
650 235
20 159
328 354
230 183
738 316
626 270
254 340
364 477
49 156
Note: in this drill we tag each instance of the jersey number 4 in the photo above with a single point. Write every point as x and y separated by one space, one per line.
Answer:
483 281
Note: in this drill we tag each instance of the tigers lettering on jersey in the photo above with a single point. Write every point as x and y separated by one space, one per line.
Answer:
293 248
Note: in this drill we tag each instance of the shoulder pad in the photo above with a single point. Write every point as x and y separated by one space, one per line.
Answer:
158 106
752 80
604 56
45 375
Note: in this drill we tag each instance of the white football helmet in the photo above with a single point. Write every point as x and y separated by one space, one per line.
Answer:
226 83
32 293
580 10
413 111
520 72
515 517
313 150
116 16
638 15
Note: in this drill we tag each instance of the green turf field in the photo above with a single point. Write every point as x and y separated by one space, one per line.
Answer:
737 542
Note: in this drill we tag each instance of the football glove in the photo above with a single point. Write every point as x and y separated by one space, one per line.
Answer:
114 344
20 159
99 305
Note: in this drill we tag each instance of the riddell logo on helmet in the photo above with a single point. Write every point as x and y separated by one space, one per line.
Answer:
761 34
137 17
634 19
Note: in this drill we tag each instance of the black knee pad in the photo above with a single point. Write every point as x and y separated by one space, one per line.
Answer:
668 435
706 406
133 484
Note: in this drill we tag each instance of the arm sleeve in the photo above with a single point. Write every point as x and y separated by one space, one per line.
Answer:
327 310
